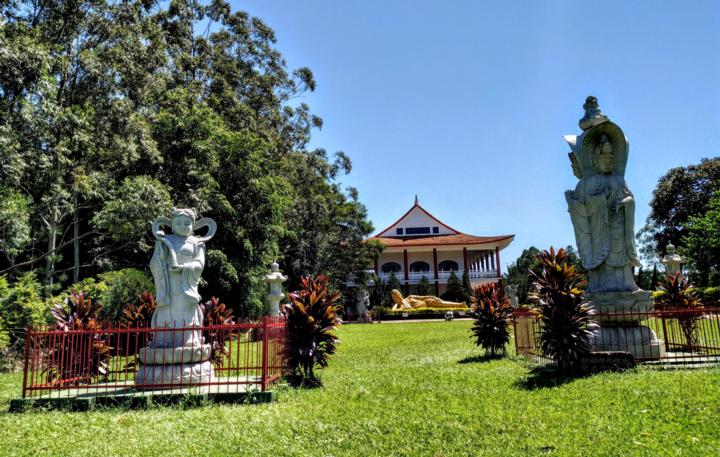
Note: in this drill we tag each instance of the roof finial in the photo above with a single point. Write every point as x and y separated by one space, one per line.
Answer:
416 200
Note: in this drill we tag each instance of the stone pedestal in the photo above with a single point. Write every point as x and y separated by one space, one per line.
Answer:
179 365
620 325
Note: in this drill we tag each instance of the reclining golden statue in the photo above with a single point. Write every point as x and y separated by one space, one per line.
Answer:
417 302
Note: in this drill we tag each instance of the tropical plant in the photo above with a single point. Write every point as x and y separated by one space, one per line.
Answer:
566 322
493 314
678 300
393 283
379 293
134 315
423 287
217 314
78 357
454 290
311 339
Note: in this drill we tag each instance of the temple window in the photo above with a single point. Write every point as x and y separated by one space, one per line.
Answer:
417 230
448 265
390 267
419 267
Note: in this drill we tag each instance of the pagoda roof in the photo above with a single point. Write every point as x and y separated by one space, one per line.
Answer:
457 239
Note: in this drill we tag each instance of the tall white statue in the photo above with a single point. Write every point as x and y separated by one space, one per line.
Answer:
177 266
602 210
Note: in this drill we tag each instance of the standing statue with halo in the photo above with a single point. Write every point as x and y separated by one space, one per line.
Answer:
602 210
177 352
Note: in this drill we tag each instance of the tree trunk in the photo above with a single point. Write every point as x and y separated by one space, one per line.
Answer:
50 260
76 249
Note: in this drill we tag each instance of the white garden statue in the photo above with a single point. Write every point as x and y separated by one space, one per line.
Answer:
672 261
602 210
177 355
275 279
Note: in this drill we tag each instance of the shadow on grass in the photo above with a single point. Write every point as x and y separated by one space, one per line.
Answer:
544 377
480 359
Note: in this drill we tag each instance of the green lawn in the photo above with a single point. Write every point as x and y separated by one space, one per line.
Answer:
405 389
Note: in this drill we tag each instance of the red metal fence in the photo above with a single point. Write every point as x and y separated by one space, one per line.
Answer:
122 361
670 335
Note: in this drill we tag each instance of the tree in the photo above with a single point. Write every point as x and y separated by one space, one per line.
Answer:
467 289
681 194
113 111
393 282
423 287
702 242
454 289
518 273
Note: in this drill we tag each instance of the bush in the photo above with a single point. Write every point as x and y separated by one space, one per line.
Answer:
21 305
312 320
424 287
567 323
679 294
120 288
492 315
454 290
710 296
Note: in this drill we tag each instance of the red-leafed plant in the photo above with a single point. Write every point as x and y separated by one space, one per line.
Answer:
133 316
312 320
217 313
567 323
78 358
492 313
679 300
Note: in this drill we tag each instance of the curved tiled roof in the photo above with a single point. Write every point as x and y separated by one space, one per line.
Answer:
460 238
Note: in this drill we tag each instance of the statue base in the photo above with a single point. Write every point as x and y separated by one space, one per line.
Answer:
638 340
621 306
167 366
620 314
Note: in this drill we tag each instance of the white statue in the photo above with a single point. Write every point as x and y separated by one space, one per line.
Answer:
602 210
672 261
601 207
275 279
177 356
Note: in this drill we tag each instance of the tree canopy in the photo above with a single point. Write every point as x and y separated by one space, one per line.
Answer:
113 111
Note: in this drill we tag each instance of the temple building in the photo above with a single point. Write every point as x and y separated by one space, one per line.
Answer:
418 244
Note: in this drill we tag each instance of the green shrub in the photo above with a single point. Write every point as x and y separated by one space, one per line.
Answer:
424 288
21 305
492 315
678 293
710 296
120 288
454 290
567 323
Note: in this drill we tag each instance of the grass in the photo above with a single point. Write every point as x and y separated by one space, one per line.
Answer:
410 389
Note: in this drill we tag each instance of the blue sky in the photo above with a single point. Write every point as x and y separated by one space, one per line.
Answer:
465 103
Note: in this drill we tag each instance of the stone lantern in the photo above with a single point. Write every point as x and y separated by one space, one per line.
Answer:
275 278
672 261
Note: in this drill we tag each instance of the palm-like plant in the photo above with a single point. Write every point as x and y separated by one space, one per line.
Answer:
312 320
678 295
492 313
567 323
78 358
133 316
217 313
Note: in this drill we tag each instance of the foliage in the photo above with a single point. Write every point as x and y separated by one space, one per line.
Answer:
492 314
454 290
379 293
312 321
467 289
134 315
567 323
113 111
217 313
683 193
646 279
518 272
678 294
21 305
424 287
710 296
702 242
393 283
72 362
122 287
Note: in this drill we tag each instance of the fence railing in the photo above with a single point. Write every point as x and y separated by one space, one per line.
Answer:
123 361
669 335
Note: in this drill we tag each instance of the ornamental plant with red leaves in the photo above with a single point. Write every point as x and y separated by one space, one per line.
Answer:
312 319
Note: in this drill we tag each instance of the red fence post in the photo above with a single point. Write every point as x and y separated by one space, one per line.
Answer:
27 359
263 380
